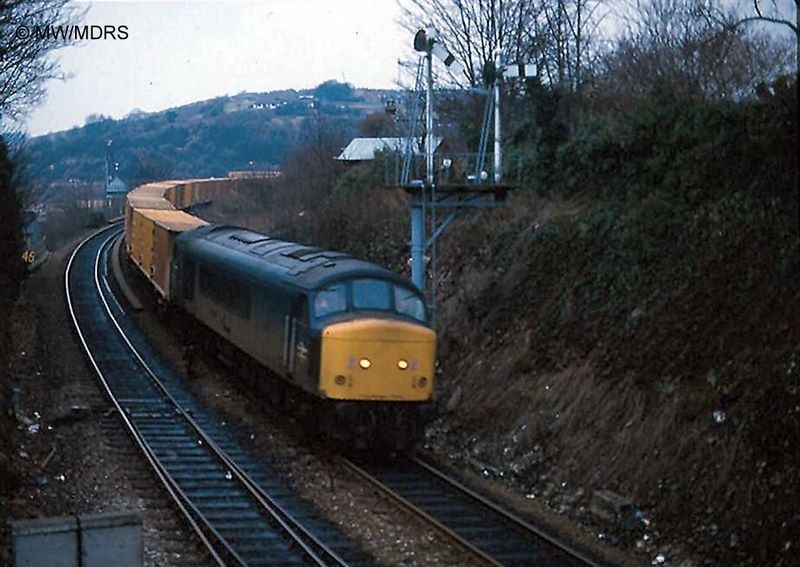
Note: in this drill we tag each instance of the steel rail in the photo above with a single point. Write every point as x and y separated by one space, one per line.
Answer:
135 430
477 502
417 511
174 492
310 546
509 516
278 513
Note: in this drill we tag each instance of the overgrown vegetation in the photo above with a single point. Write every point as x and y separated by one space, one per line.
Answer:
647 309
12 269
63 225
629 322
12 272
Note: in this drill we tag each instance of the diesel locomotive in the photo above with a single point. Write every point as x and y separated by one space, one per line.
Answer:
348 339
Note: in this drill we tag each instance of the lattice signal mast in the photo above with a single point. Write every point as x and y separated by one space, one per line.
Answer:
427 41
430 194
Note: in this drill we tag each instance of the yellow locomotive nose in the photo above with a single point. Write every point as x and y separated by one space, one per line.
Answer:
377 359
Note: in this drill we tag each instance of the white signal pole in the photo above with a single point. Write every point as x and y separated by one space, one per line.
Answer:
501 71
429 120
498 156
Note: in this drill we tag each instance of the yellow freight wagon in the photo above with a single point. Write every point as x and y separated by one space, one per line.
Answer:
152 236
145 197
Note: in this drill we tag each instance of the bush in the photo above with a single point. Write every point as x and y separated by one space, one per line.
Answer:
12 269
699 150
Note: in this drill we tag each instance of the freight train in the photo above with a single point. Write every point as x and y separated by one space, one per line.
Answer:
344 340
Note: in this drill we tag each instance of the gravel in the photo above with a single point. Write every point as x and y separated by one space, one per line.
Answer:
71 454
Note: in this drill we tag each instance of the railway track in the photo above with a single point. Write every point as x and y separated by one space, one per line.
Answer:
238 508
492 535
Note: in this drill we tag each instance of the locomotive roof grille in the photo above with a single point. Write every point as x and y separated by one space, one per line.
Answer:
260 257
303 252
251 238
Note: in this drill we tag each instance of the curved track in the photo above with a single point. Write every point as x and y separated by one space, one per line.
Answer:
238 508
492 535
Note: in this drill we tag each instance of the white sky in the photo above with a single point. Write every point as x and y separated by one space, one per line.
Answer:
182 52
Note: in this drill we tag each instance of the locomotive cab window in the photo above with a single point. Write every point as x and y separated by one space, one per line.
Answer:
330 300
372 294
409 303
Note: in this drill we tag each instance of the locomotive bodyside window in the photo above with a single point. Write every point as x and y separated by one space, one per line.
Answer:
238 298
226 292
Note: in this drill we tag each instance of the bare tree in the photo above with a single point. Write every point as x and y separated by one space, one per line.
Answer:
475 30
563 39
679 48
152 166
26 39
311 167
773 13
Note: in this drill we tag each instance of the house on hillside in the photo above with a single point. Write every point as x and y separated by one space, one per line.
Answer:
364 149
397 170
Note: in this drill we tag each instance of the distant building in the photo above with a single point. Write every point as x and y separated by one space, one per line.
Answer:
116 187
363 149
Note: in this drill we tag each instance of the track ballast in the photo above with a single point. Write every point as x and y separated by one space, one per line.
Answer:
492 535
241 511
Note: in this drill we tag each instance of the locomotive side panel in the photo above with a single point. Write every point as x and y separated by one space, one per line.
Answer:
265 323
223 303
272 307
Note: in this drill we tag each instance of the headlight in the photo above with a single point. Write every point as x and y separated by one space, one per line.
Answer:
364 363
402 364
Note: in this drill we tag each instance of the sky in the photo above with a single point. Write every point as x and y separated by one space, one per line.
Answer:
176 53
182 52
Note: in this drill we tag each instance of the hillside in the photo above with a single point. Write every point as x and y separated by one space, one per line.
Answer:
627 324
203 139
